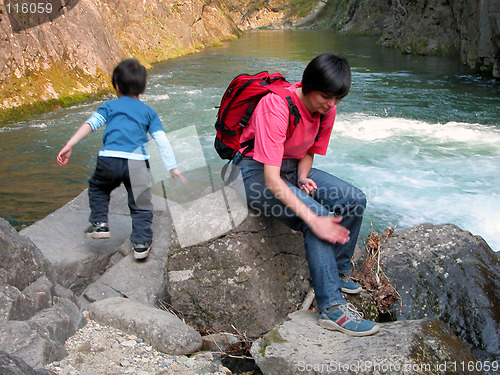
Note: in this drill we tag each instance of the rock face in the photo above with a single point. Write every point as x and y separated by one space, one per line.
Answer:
251 278
300 346
37 315
444 272
68 53
469 29
274 14
73 54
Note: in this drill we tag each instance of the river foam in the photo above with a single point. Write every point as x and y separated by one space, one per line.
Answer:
415 172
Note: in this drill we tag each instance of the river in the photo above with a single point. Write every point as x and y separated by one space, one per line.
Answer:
419 135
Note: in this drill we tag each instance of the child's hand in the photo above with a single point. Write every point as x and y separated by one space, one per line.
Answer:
63 155
176 173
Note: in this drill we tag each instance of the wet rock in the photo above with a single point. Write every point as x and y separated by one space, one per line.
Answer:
444 272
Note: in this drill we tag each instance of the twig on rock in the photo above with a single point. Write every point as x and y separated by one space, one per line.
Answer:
371 275
308 300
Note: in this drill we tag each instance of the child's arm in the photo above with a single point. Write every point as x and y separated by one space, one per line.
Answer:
65 153
167 155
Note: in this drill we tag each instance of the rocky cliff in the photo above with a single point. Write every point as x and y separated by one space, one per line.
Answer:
466 28
72 54
62 51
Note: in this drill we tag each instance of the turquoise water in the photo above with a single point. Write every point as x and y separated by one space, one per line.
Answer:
420 135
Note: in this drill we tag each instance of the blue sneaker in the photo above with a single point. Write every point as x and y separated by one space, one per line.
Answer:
346 319
348 286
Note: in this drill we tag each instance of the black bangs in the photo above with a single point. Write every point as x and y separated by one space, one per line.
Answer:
130 77
327 73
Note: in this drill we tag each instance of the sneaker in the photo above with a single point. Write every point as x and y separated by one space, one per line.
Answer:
346 319
348 286
97 231
141 250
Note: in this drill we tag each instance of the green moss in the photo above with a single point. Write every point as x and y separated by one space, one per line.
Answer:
273 337
32 109
438 344
31 90
300 8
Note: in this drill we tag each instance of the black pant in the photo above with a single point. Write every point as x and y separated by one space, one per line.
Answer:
109 174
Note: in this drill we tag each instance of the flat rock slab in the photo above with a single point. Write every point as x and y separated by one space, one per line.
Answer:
158 328
301 346
144 280
76 259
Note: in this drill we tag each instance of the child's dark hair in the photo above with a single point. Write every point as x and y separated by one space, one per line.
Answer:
328 73
130 77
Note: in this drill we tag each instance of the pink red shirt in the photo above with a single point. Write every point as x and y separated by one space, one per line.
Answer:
269 124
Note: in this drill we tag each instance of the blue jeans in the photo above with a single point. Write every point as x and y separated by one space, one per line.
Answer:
326 260
108 175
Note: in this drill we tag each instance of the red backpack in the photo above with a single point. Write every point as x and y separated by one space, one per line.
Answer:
237 105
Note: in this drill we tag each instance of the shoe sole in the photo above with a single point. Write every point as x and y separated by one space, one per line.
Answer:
141 254
97 235
352 291
332 326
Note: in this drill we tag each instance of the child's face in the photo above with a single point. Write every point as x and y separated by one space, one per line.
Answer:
322 102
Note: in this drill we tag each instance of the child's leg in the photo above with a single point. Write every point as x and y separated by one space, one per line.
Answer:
106 178
138 186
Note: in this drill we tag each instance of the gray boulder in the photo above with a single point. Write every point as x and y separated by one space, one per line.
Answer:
36 314
12 365
159 328
300 346
21 262
79 261
250 278
143 281
443 272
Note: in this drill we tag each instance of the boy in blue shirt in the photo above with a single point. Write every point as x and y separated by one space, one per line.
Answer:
124 158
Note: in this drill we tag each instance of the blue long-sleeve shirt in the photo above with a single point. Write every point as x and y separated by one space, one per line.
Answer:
128 120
